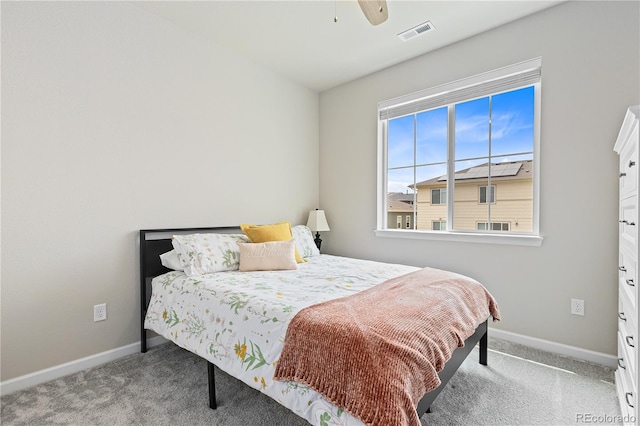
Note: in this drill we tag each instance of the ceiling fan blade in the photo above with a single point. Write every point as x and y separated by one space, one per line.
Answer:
374 10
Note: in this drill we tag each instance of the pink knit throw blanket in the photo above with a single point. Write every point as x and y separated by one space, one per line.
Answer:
377 352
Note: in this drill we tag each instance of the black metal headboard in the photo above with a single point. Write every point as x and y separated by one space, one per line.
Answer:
154 242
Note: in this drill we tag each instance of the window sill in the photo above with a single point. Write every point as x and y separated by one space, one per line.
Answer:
463 237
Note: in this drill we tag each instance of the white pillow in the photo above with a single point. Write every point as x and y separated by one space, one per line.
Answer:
304 241
269 256
170 260
201 254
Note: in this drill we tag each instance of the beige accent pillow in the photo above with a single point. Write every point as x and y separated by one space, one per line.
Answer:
268 256
275 232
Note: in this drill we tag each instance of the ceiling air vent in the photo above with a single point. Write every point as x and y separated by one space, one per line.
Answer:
416 31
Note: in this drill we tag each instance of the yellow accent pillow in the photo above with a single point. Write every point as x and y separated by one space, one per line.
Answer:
265 233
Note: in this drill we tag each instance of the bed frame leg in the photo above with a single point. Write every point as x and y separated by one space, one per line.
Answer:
143 340
212 386
484 340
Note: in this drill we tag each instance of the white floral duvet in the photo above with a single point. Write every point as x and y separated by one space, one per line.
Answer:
238 320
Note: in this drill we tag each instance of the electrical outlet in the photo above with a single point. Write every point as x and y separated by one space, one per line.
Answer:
577 307
99 312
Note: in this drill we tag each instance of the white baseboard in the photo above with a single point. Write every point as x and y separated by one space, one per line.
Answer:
557 348
52 373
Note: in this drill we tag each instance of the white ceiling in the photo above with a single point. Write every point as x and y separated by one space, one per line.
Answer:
300 39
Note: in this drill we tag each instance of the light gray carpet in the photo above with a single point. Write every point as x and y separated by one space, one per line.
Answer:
168 386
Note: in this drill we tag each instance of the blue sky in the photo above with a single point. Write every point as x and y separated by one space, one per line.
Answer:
511 133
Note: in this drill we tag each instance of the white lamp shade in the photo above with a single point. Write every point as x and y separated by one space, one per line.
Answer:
317 221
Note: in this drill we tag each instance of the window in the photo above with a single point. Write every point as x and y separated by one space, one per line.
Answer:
408 222
493 226
483 194
439 225
439 196
399 223
453 147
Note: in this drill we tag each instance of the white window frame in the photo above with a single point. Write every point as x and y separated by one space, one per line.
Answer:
442 202
492 194
439 222
486 224
417 101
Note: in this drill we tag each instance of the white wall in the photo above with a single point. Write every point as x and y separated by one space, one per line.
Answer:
590 66
114 120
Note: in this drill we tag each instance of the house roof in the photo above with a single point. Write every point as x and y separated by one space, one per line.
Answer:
400 196
395 206
512 170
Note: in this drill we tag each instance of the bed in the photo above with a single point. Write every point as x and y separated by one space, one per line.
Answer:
238 321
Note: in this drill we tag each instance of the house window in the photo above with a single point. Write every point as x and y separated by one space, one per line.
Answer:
453 145
493 226
439 196
399 223
439 225
408 222
483 194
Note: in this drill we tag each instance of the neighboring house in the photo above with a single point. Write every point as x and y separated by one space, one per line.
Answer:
506 206
400 210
